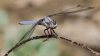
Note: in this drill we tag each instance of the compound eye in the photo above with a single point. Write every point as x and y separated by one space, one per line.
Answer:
54 22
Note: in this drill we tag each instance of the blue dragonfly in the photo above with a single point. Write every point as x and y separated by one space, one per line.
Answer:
47 22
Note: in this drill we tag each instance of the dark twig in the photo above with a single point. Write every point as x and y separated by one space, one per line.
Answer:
81 45
51 36
25 41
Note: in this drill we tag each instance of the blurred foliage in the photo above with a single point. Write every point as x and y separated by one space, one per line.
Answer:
66 53
3 18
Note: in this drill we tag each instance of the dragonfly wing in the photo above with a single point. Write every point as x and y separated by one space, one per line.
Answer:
74 11
27 34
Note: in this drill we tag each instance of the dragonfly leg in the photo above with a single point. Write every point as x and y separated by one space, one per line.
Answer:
54 33
45 31
46 34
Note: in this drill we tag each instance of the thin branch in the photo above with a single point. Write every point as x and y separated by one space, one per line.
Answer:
51 36
81 45
25 41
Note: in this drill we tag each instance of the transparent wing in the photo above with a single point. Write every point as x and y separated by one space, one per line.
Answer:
74 11
27 35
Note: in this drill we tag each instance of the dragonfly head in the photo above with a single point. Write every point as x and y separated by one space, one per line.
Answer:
53 24
49 23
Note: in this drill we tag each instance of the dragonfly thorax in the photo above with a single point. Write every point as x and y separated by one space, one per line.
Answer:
49 23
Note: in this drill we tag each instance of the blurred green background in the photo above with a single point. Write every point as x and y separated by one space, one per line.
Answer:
83 27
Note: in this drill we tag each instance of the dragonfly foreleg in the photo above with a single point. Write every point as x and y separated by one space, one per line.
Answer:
47 29
53 32
55 35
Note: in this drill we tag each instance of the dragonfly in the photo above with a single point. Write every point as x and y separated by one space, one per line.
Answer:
47 22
